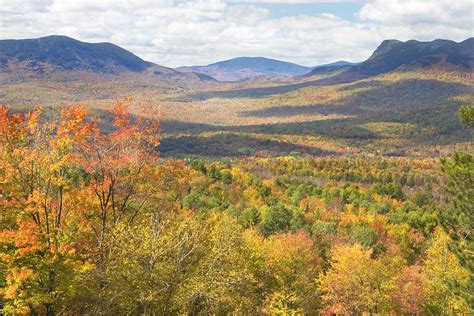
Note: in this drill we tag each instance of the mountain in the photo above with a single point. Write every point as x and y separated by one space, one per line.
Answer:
242 68
413 55
327 70
330 69
66 54
392 54
340 63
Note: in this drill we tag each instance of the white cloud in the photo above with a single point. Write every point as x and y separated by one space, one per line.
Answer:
292 1
174 33
457 13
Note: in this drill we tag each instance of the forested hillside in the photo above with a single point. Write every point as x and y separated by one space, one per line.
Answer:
65 53
93 221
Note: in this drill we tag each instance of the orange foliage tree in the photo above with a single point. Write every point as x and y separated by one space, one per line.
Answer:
60 179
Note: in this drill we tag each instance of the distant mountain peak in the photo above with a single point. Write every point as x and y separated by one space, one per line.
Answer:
58 52
242 68
339 63
385 47
392 54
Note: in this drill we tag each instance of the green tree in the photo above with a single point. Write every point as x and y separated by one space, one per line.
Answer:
458 219
466 115
447 279
275 218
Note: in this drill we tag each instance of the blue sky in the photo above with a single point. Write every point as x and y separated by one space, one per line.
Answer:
198 32
344 10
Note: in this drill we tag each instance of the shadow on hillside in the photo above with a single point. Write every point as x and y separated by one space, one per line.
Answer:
235 141
257 92
377 96
340 128
262 92
232 145
426 104
177 127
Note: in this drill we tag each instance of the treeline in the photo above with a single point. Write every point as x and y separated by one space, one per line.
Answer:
95 223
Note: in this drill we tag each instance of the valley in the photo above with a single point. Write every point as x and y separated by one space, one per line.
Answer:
408 111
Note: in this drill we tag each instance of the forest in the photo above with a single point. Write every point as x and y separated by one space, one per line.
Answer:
94 221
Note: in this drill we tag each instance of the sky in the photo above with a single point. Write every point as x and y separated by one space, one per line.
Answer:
180 32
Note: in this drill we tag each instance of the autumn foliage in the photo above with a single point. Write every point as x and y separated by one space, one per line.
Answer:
61 179
92 221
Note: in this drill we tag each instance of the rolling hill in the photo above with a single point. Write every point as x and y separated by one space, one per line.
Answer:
242 68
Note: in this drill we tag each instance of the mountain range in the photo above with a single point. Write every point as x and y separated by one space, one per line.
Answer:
406 102
61 53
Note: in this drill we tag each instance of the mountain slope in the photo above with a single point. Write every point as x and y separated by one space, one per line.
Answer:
411 55
327 70
66 54
242 68
340 63
391 54
330 69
